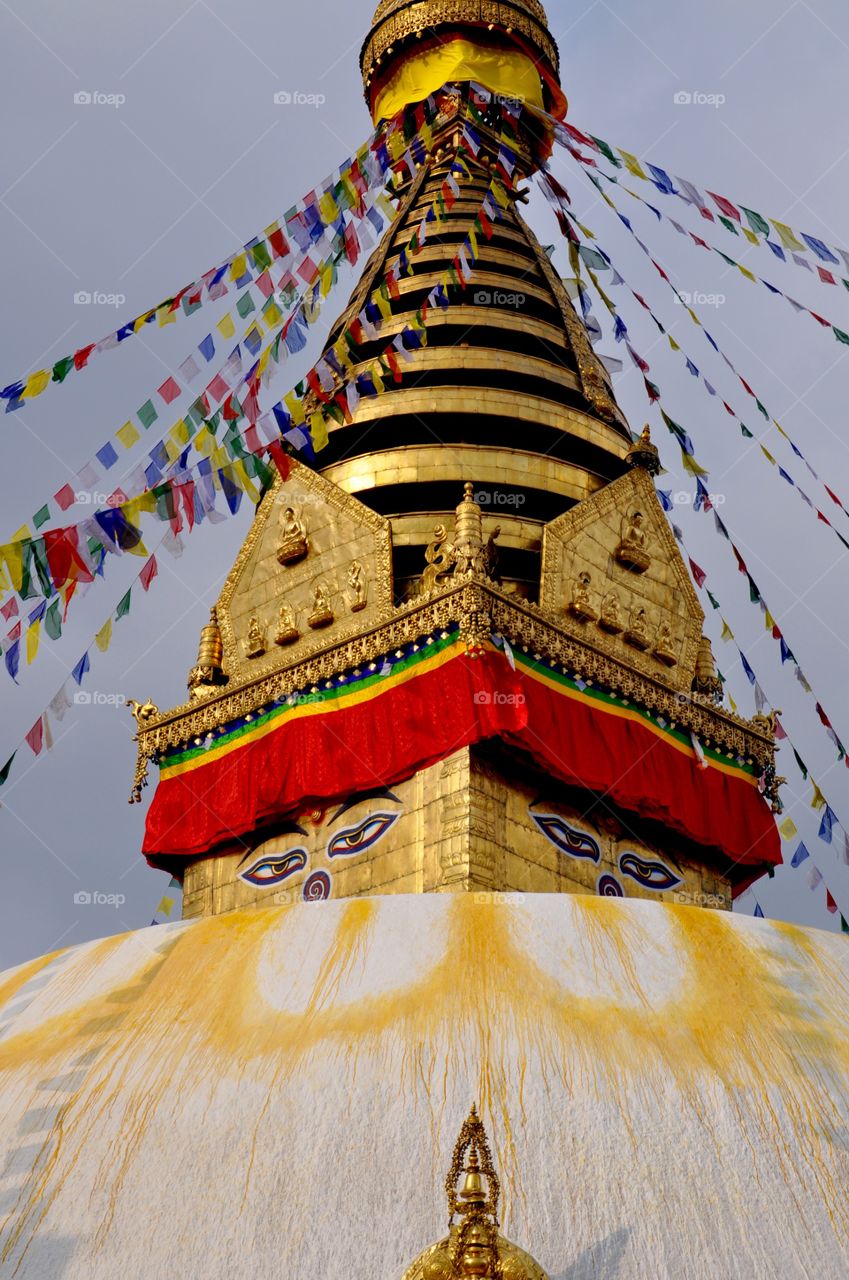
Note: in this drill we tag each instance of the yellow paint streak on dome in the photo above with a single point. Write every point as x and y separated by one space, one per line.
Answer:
21 976
484 1013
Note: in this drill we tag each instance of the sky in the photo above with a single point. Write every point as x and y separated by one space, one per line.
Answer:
182 154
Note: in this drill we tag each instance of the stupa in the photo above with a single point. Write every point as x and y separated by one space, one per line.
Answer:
454 698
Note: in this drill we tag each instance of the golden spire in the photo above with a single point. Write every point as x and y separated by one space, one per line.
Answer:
473 1247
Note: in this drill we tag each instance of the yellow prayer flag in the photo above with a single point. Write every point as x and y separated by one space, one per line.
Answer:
318 431
769 620
165 907
818 799
727 633
33 637
226 326
788 829
36 383
328 208
180 432
103 636
326 279
788 237
295 407
272 314
377 379
166 316
501 195
13 554
744 271
239 266
127 435
673 344
750 236
632 164
766 453
731 703
172 450
245 481
689 463
4 581
264 359
384 305
693 316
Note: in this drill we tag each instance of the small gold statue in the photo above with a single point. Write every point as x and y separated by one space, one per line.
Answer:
287 631
611 615
631 552
294 545
255 643
357 587
580 606
322 614
142 712
664 645
637 634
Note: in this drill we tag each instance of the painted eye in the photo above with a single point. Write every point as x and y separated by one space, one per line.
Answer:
577 844
275 868
651 875
609 887
356 839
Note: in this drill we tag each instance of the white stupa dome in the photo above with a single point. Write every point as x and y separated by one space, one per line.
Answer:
276 1092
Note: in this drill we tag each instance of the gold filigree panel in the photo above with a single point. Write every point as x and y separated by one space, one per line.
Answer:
613 575
314 571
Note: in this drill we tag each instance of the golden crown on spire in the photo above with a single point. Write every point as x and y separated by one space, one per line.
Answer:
474 1246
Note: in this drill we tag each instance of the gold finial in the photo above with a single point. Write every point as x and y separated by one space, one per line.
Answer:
644 454
707 682
208 671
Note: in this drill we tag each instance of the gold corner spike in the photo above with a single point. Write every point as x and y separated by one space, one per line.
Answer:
473 1246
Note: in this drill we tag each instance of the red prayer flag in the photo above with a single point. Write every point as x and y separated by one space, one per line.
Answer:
35 737
730 210
218 388
65 497
820 320
833 496
698 574
278 242
830 903
9 609
281 458
170 390
186 496
265 285
81 356
148 573
65 558
308 271
826 276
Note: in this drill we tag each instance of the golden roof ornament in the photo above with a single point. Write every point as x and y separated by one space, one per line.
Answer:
474 1246
464 554
706 681
644 454
208 672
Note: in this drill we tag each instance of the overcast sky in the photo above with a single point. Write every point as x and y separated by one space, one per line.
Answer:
138 196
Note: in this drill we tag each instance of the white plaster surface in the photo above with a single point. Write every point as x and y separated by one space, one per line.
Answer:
276 1093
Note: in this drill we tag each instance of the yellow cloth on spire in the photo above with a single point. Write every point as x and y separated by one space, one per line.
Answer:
511 74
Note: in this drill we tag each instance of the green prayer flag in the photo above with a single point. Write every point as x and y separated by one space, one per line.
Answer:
754 594
606 151
746 432
41 516
728 224
4 772
53 620
123 606
844 927
712 599
62 368
147 415
165 504
260 256
803 768
245 305
840 335
756 222
726 258
762 409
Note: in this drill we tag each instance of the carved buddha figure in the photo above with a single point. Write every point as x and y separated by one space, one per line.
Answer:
580 606
664 645
631 552
322 614
611 615
293 537
287 630
638 629
357 587
255 642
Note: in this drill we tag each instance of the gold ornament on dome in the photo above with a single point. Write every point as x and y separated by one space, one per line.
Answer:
464 554
357 587
474 1246
293 532
255 641
631 552
287 630
581 605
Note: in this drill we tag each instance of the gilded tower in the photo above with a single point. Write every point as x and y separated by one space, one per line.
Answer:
462 651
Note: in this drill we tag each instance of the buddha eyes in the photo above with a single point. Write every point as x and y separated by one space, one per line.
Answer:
577 844
361 837
651 875
275 868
